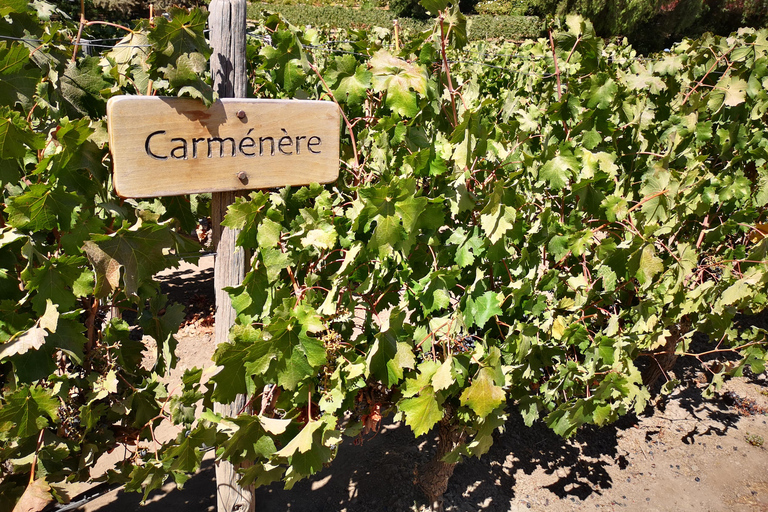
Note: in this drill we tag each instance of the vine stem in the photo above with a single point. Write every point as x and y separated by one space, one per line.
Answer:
709 352
397 35
557 68
84 23
646 199
557 75
89 23
296 288
91 323
34 459
451 90
701 82
343 115
79 30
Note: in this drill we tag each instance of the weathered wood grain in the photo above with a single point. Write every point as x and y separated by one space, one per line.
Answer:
227 33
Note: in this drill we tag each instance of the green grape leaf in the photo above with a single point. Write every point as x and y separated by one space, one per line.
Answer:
9 6
249 440
81 85
434 7
353 88
294 370
483 395
147 477
42 208
60 280
303 441
558 171
247 215
187 455
602 91
26 411
421 412
161 321
18 80
434 290
137 251
185 76
181 33
15 136
485 307
286 59
401 80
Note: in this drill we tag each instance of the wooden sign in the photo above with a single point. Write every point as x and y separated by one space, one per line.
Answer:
173 146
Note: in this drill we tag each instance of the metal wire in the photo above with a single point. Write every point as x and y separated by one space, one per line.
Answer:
327 47
83 42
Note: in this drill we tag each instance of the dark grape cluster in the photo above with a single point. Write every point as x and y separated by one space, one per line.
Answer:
463 344
69 414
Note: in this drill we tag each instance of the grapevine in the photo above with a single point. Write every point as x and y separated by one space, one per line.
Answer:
541 226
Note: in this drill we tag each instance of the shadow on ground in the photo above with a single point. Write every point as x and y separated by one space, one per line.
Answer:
377 474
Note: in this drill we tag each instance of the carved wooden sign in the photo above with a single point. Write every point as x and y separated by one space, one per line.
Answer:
173 146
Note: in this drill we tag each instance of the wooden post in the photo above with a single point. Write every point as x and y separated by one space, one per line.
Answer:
227 34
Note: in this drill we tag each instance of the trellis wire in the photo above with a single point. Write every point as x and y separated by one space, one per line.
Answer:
326 48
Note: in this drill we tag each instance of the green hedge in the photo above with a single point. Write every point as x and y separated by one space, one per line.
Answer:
481 26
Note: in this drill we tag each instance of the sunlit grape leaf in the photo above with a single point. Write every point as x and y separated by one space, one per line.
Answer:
302 443
602 91
32 339
181 33
497 218
558 171
484 307
37 496
650 264
421 412
186 77
401 80
9 6
322 238
483 395
729 91
443 377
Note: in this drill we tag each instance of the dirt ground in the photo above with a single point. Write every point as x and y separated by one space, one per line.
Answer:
684 453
